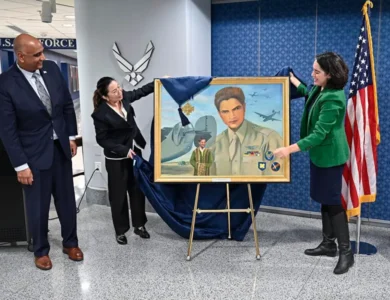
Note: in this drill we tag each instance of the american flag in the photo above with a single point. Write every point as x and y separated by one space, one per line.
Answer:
361 126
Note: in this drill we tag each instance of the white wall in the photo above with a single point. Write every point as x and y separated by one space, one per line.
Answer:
180 31
198 27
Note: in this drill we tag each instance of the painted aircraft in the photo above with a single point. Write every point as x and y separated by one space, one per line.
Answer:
269 117
178 140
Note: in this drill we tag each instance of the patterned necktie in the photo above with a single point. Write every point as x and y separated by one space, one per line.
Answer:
233 146
43 95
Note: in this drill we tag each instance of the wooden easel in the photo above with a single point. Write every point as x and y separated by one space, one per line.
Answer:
226 210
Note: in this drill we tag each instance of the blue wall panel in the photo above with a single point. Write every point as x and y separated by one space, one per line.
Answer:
261 37
235 39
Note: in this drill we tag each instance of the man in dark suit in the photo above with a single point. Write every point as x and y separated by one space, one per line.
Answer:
38 128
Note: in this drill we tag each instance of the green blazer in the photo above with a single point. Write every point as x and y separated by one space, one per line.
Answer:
322 128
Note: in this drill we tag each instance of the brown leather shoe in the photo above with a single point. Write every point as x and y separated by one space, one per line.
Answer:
74 253
43 262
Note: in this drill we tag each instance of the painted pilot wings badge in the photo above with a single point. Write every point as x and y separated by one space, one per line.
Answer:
133 73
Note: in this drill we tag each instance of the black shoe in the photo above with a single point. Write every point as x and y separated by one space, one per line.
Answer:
141 231
346 261
121 239
327 247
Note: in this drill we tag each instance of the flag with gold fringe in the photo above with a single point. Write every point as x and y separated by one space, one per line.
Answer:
362 125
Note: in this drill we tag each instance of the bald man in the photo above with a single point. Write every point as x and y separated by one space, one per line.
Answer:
38 128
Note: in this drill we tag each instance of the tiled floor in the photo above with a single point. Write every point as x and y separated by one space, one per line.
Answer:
157 268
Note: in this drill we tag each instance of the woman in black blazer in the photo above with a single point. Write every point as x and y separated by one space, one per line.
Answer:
118 134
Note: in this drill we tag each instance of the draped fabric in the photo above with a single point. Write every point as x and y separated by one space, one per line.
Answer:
174 204
183 89
293 90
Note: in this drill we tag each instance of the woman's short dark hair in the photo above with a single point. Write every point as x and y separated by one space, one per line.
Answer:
101 90
334 65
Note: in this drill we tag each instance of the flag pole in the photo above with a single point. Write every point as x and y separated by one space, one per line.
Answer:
365 13
358 226
359 247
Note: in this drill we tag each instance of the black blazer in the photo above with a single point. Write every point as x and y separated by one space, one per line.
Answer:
114 134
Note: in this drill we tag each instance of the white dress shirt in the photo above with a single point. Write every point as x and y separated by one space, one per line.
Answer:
31 80
123 110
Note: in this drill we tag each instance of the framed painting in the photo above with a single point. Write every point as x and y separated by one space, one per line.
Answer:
235 125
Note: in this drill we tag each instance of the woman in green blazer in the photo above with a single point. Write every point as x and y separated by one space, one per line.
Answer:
323 135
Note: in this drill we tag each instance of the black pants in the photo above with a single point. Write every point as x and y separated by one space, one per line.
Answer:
56 181
121 181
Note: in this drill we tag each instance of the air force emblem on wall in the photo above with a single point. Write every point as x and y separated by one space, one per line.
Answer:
262 165
133 73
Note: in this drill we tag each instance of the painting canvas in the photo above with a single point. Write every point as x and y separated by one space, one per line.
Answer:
235 125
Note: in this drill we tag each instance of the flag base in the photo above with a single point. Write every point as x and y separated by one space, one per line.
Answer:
363 248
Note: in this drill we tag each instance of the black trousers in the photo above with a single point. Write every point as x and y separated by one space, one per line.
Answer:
57 180
121 181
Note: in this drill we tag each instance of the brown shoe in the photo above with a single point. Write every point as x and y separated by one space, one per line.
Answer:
43 262
74 253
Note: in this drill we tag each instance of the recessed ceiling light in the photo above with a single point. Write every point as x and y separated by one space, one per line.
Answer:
70 17
67 25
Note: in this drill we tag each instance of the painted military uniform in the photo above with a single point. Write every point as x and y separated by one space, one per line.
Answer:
246 152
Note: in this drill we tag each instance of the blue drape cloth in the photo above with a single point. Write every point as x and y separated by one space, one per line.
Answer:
293 90
184 88
174 202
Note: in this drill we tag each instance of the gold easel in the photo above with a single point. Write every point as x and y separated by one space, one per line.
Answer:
228 210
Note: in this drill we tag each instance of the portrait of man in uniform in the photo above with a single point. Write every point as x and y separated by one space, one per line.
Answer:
243 148
234 126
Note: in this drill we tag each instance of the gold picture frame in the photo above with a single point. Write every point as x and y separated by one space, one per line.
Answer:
239 133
